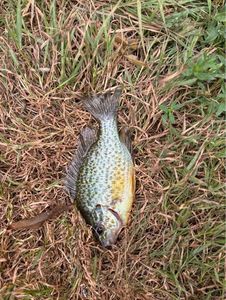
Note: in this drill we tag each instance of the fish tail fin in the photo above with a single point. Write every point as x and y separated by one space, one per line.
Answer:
103 106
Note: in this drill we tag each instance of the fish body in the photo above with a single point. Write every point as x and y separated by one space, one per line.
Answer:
101 177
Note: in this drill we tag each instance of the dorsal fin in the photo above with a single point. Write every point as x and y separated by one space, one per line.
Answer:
126 138
86 140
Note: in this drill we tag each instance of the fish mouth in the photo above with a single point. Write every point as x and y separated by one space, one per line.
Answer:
110 240
108 243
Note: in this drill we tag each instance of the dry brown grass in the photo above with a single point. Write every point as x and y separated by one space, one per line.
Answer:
40 135
168 250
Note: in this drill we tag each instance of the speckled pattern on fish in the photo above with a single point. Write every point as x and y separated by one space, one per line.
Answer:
103 173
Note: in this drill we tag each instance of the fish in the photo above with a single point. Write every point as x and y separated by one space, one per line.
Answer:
101 176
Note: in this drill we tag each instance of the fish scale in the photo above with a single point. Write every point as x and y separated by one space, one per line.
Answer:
98 173
101 176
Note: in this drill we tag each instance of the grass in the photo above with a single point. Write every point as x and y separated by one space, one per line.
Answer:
168 57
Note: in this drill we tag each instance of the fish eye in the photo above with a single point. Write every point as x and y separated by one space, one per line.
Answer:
100 229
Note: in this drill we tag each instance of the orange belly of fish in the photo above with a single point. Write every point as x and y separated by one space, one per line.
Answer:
123 192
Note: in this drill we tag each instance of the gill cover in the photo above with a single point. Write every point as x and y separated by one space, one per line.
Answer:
107 225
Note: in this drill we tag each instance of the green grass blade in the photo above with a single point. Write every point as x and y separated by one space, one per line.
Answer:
19 24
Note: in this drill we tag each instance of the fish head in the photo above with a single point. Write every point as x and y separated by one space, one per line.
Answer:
107 225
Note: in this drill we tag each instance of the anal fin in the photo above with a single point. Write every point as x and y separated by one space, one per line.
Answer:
86 140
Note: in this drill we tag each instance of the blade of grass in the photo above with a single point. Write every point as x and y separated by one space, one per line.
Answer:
139 14
19 24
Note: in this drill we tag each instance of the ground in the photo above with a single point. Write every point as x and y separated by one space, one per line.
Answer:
168 58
